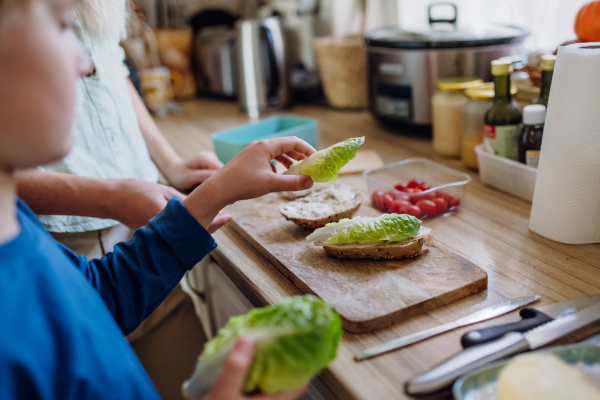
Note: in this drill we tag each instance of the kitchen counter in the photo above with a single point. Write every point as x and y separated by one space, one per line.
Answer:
490 230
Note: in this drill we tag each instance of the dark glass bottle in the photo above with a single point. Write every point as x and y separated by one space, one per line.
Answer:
530 140
547 72
503 118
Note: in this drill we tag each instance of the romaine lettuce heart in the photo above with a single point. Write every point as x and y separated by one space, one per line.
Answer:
386 228
324 165
294 340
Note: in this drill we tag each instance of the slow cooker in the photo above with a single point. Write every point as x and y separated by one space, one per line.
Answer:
404 65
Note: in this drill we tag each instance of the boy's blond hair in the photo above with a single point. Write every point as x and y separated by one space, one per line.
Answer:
99 18
103 18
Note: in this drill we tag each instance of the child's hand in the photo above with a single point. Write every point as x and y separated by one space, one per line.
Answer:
250 174
230 383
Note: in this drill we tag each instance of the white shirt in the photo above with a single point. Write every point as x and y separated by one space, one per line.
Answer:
108 142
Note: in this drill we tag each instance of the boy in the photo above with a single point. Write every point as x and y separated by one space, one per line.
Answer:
64 317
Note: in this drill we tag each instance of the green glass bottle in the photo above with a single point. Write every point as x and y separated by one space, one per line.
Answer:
547 72
503 118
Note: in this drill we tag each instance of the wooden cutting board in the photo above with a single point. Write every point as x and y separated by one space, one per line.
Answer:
368 294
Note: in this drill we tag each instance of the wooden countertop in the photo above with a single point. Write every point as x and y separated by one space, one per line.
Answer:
490 230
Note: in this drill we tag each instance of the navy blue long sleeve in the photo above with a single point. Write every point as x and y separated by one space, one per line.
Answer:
63 318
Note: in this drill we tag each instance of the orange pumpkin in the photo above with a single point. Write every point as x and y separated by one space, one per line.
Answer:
587 22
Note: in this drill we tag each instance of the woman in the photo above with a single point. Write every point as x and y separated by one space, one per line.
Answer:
64 317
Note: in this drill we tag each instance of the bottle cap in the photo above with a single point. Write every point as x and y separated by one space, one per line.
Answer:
485 91
502 66
534 114
548 63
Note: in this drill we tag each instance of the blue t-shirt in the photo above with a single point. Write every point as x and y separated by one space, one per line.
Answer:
63 318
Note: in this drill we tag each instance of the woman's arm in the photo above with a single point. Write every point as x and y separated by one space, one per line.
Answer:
183 175
130 201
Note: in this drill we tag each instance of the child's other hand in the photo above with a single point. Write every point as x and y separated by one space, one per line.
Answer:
230 383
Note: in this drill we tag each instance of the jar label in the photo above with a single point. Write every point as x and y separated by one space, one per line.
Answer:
532 158
504 139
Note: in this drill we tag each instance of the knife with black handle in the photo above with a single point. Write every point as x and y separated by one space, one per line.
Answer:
444 374
531 317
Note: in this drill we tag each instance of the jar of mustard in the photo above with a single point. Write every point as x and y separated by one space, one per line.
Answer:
479 99
446 107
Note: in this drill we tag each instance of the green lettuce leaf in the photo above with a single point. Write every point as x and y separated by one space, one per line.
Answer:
386 228
294 340
324 165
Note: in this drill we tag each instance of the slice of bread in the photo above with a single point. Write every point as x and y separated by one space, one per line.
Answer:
323 206
394 250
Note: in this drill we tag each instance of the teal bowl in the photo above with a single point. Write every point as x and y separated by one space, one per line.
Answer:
480 384
228 143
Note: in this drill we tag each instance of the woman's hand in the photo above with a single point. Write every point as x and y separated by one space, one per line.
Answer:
220 220
250 174
188 174
134 202
230 383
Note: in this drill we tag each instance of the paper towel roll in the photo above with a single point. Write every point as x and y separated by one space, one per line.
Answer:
566 201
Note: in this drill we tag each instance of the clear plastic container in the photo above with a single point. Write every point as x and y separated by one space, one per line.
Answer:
507 175
439 177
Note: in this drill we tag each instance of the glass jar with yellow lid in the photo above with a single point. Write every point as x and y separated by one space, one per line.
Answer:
479 100
446 107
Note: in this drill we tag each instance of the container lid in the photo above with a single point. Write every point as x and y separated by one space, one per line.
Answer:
458 83
485 91
444 33
502 66
534 114
548 62
477 35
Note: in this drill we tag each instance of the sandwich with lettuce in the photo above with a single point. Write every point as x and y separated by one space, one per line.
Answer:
390 236
324 165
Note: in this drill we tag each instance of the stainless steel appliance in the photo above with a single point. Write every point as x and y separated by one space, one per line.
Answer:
404 66
213 53
215 64
261 65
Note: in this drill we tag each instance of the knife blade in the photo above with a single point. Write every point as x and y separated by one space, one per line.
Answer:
478 316
531 317
445 373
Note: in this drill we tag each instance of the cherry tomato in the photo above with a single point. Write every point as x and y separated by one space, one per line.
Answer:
414 183
441 194
391 193
412 210
401 186
441 204
427 207
453 201
424 196
412 190
424 187
377 197
398 206
402 197
386 200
